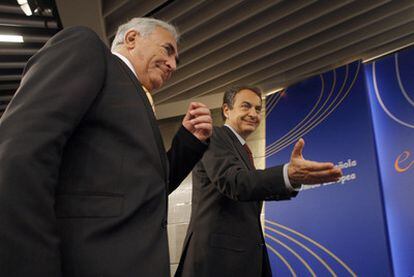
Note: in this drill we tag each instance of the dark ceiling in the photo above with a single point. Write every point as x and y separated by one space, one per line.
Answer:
35 29
268 43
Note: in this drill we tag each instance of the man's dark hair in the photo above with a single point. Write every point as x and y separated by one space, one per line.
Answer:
230 94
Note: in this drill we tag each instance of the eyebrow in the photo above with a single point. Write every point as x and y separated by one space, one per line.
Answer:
250 104
172 50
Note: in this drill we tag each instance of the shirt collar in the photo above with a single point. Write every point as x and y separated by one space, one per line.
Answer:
126 61
130 66
242 141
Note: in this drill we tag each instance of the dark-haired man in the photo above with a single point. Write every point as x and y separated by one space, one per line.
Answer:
224 237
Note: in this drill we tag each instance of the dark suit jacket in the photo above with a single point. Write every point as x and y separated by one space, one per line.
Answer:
84 177
224 237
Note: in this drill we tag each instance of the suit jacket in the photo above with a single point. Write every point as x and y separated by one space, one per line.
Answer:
224 237
84 177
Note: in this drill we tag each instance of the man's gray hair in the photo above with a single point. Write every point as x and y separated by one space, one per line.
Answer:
144 26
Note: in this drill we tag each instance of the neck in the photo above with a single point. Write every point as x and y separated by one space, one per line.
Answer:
243 135
124 52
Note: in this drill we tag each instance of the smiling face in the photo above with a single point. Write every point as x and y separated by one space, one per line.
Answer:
245 115
154 57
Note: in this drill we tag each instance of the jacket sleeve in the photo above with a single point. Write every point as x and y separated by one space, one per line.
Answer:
186 150
227 172
59 84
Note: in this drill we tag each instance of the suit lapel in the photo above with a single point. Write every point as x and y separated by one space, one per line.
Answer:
151 117
243 156
241 152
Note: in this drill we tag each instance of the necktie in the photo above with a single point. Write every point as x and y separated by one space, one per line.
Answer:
249 153
149 96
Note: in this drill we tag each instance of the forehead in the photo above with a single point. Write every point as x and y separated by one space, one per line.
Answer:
163 36
246 95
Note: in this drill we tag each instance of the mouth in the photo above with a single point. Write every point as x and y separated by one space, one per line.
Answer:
253 123
165 75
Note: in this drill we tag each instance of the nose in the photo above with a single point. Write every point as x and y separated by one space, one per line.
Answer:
253 112
171 63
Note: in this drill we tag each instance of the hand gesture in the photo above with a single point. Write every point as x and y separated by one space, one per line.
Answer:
198 121
307 172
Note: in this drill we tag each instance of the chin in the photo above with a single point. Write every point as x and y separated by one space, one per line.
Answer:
249 129
157 85
251 126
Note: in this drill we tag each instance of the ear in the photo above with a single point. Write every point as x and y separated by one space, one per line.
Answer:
130 38
226 110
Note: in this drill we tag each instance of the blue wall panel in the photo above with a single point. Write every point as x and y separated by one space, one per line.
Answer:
390 82
336 228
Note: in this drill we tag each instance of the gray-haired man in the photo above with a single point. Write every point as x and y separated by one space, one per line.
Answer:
84 177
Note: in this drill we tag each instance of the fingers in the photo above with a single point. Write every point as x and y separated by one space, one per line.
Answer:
197 104
309 172
200 111
313 166
318 177
204 126
326 175
297 149
194 109
194 106
198 120
201 119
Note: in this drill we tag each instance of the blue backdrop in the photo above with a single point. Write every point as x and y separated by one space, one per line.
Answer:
337 228
391 89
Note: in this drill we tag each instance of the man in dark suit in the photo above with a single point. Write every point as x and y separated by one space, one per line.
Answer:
224 237
84 177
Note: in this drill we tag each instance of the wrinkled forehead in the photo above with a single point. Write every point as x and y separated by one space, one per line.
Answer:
164 36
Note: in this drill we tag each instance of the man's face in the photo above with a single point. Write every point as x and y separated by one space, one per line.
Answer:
154 56
246 113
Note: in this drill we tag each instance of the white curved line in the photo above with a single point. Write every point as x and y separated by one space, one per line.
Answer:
316 244
404 92
275 101
288 139
302 260
374 79
320 118
299 125
282 259
304 247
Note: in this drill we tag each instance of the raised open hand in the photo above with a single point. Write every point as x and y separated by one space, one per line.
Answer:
307 172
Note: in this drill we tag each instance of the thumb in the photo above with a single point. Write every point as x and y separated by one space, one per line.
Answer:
297 150
188 115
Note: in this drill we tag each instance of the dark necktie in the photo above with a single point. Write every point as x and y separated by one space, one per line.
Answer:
249 153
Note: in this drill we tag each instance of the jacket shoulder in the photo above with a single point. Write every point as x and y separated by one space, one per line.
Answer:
83 35
219 133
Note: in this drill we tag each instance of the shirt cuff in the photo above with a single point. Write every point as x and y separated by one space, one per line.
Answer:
287 181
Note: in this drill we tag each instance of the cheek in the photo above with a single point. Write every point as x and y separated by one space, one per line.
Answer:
243 116
240 120
151 62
